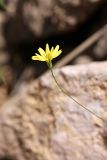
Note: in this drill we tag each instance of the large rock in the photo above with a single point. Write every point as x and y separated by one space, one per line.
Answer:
41 123
28 19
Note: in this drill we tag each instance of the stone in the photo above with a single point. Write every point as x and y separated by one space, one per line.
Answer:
2 38
39 122
31 19
100 49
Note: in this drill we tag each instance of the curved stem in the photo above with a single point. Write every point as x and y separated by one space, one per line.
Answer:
67 94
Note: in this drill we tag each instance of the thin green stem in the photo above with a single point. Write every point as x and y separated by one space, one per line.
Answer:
67 94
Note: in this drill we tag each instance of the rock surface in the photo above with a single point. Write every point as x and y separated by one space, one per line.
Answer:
41 123
39 18
100 49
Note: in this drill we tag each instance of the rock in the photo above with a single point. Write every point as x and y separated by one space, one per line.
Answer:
28 19
4 58
83 59
100 49
41 123
2 38
3 94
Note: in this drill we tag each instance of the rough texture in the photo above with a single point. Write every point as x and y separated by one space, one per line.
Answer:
29 18
41 123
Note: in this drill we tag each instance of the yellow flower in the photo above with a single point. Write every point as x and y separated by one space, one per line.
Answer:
48 55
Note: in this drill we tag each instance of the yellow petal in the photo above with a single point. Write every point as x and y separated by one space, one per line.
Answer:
34 58
55 51
56 48
57 54
47 48
38 57
52 49
42 52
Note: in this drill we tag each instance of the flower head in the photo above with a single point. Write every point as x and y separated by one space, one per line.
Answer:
47 55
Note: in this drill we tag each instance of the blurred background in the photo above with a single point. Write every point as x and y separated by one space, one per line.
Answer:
78 26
